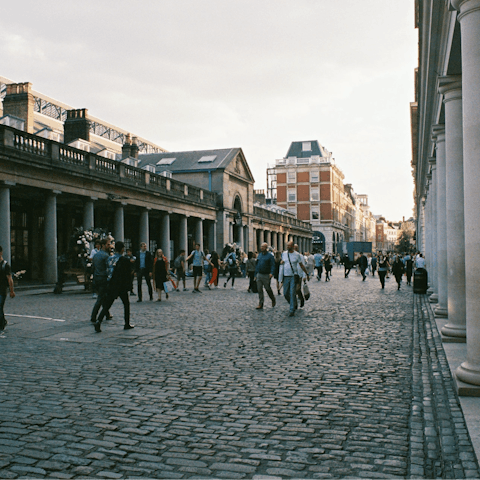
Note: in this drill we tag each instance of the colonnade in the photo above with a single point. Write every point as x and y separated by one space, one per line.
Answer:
278 240
448 220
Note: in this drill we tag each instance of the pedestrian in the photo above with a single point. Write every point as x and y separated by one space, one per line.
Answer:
6 283
264 271
363 264
95 250
215 260
398 270
144 270
160 273
231 262
347 264
276 275
383 267
250 267
374 264
243 264
198 257
310 263
291 262
408 263
99 263
179 265
207 268
319 264
328 267
131 258
118 284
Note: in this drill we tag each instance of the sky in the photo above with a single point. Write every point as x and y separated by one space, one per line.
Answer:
256 74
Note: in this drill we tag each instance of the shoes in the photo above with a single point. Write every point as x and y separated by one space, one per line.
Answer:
233 288
291 314
97 327
216 286
93 320
208 286
259 307
249 291
128 327
279 293
185 289
274 302
94 295
139 300
177 290
132 294
166 294
159 300
194 290
225 285
199 291
151 298
110 317
302 303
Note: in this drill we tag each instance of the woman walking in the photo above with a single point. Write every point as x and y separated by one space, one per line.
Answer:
231 262
250 269
160 273
383 266
328 267
397 270
215 264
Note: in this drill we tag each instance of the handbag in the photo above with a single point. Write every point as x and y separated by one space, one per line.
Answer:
167 287
306 291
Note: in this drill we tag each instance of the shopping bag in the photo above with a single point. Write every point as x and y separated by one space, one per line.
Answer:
306 291
167 287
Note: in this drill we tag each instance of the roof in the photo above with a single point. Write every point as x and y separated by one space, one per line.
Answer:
296 149
184 161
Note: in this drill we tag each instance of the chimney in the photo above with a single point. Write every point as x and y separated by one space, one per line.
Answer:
77 125
19 102
127 146
134 148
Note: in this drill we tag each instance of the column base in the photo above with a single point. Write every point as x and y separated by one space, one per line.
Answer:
470 376
433 298
430 291
440 311
452 333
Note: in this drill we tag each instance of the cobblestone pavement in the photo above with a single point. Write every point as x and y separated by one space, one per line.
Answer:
354 385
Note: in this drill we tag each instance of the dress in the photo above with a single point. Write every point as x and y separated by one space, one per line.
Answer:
160 272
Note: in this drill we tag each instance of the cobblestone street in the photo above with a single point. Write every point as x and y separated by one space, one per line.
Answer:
355 385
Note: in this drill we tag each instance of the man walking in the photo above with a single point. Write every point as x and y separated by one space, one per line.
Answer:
179 265
363 264
291 262
264 271
318 257
118 285
347 264
6 282
100 277
144 269
198 258
374 264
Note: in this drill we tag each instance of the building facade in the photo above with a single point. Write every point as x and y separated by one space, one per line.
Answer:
61 169
445 120
308 183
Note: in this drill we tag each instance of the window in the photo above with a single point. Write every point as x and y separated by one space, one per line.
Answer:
291 177
314 177
207 159
306 146
315 215
292 195
166 161
314 194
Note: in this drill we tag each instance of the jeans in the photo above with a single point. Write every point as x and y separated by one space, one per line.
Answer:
208 274
101 289
3 297
109 302
289 291
232 272
144 273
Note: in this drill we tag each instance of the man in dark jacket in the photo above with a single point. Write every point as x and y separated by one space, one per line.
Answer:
144 269
363 264
347 264
264 271
119 272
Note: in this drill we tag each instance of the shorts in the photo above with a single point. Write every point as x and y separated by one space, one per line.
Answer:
197 271
180 272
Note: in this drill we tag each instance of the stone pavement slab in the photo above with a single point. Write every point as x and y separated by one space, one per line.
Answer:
207 386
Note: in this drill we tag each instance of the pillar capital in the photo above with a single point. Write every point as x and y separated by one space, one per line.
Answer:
438 133
432 161
465 7
7 184
55 192
450 86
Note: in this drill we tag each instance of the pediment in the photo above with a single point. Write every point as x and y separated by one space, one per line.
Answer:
239 167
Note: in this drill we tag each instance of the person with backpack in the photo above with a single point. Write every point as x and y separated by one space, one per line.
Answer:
118 285
6 283
179 264
231 262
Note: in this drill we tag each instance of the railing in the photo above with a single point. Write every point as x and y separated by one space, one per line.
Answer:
278 217
53 152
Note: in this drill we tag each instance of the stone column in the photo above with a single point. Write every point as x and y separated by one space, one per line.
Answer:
199 232
183 234
89 214
5 231
280 242
441 309
165 236
246 238
451 88
268 238
231 237
274 240
144 230
119 224
212 236
469 19
260 238
50 252
433 206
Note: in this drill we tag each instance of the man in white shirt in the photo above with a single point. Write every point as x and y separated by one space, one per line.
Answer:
292 261
420 261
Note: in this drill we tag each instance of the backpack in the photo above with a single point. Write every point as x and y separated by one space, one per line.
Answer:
230 260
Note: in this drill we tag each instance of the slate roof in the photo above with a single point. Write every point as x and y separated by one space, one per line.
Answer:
185 161
296 150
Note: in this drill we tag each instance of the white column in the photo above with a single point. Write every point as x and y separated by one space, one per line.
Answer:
433 205
212 236
439 137
231 238
260 238
268 239
469 18
165 235
89 214
50 250
5 231
183 233
144 230
119 224
451 87
199 232
280 242
246 237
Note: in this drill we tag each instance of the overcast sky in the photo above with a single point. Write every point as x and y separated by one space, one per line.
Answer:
255 74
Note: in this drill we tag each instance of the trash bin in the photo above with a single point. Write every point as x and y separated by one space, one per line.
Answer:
420 281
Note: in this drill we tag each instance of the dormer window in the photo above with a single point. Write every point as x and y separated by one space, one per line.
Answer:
166 161
80 144
207 159
306 146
